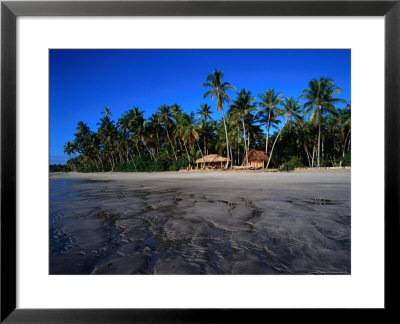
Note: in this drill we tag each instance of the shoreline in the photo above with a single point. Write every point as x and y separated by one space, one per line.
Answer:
197 172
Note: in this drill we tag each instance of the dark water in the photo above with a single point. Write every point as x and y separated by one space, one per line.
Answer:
173 227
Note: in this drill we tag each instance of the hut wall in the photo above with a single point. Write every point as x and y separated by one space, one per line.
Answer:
257 164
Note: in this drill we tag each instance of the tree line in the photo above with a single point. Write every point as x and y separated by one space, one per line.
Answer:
306 131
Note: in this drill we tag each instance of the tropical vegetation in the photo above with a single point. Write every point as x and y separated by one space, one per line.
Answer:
310 131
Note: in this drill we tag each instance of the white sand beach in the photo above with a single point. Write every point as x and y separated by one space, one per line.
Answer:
208 222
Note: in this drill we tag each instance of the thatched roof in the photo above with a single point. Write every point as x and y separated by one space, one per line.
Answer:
256 156
211 158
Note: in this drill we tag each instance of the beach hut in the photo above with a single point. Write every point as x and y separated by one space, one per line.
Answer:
256 159
211 161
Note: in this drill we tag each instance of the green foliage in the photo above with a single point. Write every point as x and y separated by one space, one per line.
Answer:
177 165
94 168
59 168
326 163
346 160
294 162
138 164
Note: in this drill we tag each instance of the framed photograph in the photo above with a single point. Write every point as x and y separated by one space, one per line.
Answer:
154 170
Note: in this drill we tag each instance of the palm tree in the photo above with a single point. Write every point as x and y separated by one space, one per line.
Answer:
234 117
319 100
290 109
188 131
131 125
218 89
294 111
69 148
127 125
204 113
175 110
269 104
165 118
107 135
254 132
81 137
93 150
304 139
146 138
242 107
233 134
106 111
154 126
345 125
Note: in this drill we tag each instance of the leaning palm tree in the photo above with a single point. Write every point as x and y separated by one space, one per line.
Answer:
269 104
218 89
188 131
179 131
146 138
304 139
319 100
165 117
291 109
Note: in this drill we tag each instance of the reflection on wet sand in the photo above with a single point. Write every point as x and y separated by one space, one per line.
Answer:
219 224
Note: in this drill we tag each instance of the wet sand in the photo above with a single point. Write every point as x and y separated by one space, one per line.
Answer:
213 222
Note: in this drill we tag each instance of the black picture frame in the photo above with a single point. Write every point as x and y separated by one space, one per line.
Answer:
10 10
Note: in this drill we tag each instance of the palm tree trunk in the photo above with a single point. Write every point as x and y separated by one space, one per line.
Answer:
313 155
227 141
344 147
248 141
202 156
238 146
96 165
187 152
134 164
113 160
151 153
308 155
348 143
322 147
173 149
267 135
101 162
201 152
111 163
180 144
272 150
159 145
244 140
319 135
137 148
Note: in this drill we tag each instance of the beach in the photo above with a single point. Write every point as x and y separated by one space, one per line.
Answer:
205 222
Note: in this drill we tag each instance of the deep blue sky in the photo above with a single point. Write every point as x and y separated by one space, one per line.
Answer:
83 82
